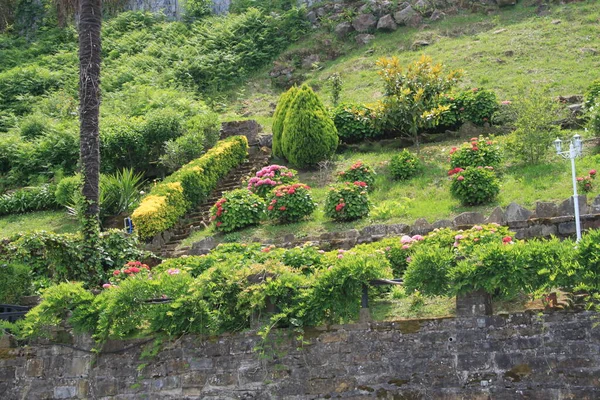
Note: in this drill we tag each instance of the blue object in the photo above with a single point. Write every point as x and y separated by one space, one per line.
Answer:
128 225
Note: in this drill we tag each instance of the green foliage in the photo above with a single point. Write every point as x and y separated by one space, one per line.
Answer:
279 119
355 123
347 202
479 152
15 282
182 150
475 186
119 192
536 127
309 135
306 259
592 94
358 172
290 203
404 165
585 184
506 114
28 199
412 94
428 270
34 126
236 210
269 177
20 84
594 118
477 105
60 257
589 260
188 187
335 83
196 9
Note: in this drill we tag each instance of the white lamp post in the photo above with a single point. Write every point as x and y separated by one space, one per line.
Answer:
575 150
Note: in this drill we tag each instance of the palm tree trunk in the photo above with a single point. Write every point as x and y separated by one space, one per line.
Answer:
89 109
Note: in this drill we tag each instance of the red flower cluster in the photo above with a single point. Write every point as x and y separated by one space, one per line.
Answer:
455 171
453 150
340 206
132 267
506 239
219 205
361 184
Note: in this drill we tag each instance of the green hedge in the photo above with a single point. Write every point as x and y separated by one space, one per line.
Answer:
188 187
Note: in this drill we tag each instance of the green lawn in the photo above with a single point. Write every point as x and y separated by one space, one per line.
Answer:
54 221
425 196
507 52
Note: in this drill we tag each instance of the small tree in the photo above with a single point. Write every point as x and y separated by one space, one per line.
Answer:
279 118
335 85
536 127
412 94
309 134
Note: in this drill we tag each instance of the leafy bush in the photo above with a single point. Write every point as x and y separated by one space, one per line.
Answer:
28 199
477 105
119 192
475 186
452 116
428 270
347 201
34 126
404 165
269 177
536 127
592 95
309 135
480 152
588 256
594 122
187 187
305 259
18 85
358 172
15 282
59 257
290 203
585 184
182 150
506 114
237 209
355 123
67 189
279 120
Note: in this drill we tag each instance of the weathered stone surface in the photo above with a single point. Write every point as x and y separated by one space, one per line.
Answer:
343 29
545 210
407 16
387 23
514 212
567 207
364 23
364 38
443 223
374 230
503 3
248 128
469 218
421 227
312 17
397 229
437 15
496 217
204 246
596 205
265 141
309 61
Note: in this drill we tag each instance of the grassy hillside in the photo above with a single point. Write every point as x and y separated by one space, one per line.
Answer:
506 52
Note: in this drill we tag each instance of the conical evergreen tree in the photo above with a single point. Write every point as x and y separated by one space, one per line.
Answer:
309 134
279 118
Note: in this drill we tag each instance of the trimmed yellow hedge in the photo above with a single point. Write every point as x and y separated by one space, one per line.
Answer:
187 187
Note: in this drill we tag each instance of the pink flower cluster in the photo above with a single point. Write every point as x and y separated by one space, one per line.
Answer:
263 177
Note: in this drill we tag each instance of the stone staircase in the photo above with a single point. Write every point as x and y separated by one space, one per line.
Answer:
199 218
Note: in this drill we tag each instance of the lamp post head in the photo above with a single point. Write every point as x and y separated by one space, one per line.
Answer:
577 144
558 145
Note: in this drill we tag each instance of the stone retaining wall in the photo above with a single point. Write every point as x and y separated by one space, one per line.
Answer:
517 356
547 219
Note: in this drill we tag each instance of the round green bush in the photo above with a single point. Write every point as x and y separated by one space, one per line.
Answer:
290 203
15 282
428 270
404 165
475 186
236 210
477 105
67 189
279 119
355 123
479 152
347 201
589 258
309 135
358 172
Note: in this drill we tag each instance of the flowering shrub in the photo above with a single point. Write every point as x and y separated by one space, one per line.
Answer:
290 203
347 201
479 152
132 268
477 105
475 185
269 177
355 123
358 172
585 184
404 165
237 209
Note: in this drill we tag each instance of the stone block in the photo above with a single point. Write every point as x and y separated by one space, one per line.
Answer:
443 223
364 38
595 209
372 230
386 23
496 217
364 23
248 128
343 29
546 210
65 392
567 228
473 304
567 207
421 227
397 229
514 212
468 219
